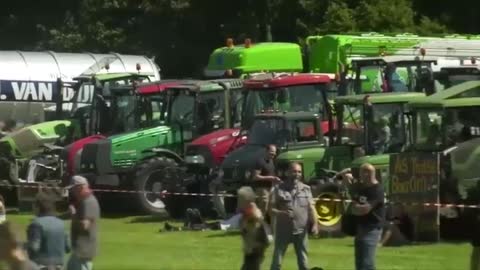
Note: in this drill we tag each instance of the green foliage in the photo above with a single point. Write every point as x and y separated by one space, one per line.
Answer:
428 26
339 18
385 16
181 33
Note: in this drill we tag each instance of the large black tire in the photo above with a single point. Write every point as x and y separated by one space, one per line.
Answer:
158 174
329 212
7 171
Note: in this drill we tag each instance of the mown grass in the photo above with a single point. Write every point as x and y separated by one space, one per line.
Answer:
129 243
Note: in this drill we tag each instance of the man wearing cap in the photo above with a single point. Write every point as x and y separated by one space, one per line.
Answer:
84 225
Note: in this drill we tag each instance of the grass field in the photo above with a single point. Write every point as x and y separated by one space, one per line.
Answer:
136 243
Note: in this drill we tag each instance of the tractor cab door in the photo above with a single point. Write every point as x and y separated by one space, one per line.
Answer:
183 113
349 140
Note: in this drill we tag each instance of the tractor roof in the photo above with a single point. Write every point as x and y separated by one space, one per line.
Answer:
393 59
461 95
285 80
288 115
112 76
156 87
462 70
255 57
378 98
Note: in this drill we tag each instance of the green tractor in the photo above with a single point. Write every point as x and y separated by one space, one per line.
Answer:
148 158
295 133
445 126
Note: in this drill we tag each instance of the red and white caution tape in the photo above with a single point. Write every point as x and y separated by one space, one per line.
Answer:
167 193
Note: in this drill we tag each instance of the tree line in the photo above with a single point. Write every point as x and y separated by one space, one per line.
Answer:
180 34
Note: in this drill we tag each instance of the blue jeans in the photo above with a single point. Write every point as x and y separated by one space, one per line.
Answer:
366 241
280 247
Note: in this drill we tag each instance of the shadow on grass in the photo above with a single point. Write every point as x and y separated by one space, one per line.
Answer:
224 234
152 219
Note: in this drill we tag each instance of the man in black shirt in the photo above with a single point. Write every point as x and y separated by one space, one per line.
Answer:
264 177
369 207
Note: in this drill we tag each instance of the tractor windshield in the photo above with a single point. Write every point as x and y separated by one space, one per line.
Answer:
123 112
453 80
386 127
351 124
211 109
398 77
292 99
151 110
436 129
267 131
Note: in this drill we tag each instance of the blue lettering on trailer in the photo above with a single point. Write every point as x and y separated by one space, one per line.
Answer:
38 91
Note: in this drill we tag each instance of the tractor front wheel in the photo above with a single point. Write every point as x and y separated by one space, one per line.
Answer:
153 177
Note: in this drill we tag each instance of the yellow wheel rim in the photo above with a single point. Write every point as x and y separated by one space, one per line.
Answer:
328 212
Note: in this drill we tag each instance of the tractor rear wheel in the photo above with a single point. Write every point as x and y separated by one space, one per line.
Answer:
153 177
329 212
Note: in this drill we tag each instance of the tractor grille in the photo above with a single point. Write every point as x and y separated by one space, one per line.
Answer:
96 157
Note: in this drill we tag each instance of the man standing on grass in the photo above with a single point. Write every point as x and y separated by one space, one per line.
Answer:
84 225
47 241
264 177
292 207
369 207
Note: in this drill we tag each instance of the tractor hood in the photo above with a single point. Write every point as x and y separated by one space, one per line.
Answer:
375 160
29 141
215 145
105 156
465 160
244 157
129 147
237 166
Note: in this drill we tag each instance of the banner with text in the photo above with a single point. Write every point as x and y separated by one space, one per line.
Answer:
415 179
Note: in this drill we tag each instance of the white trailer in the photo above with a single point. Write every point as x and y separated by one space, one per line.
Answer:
28 80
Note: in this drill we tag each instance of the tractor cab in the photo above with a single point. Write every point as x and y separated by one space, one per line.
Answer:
452 114
376 122
201 107
286 92
393 74
289 131
110 93
451 76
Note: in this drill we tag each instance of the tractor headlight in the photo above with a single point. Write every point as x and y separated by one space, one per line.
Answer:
196 159
221 173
